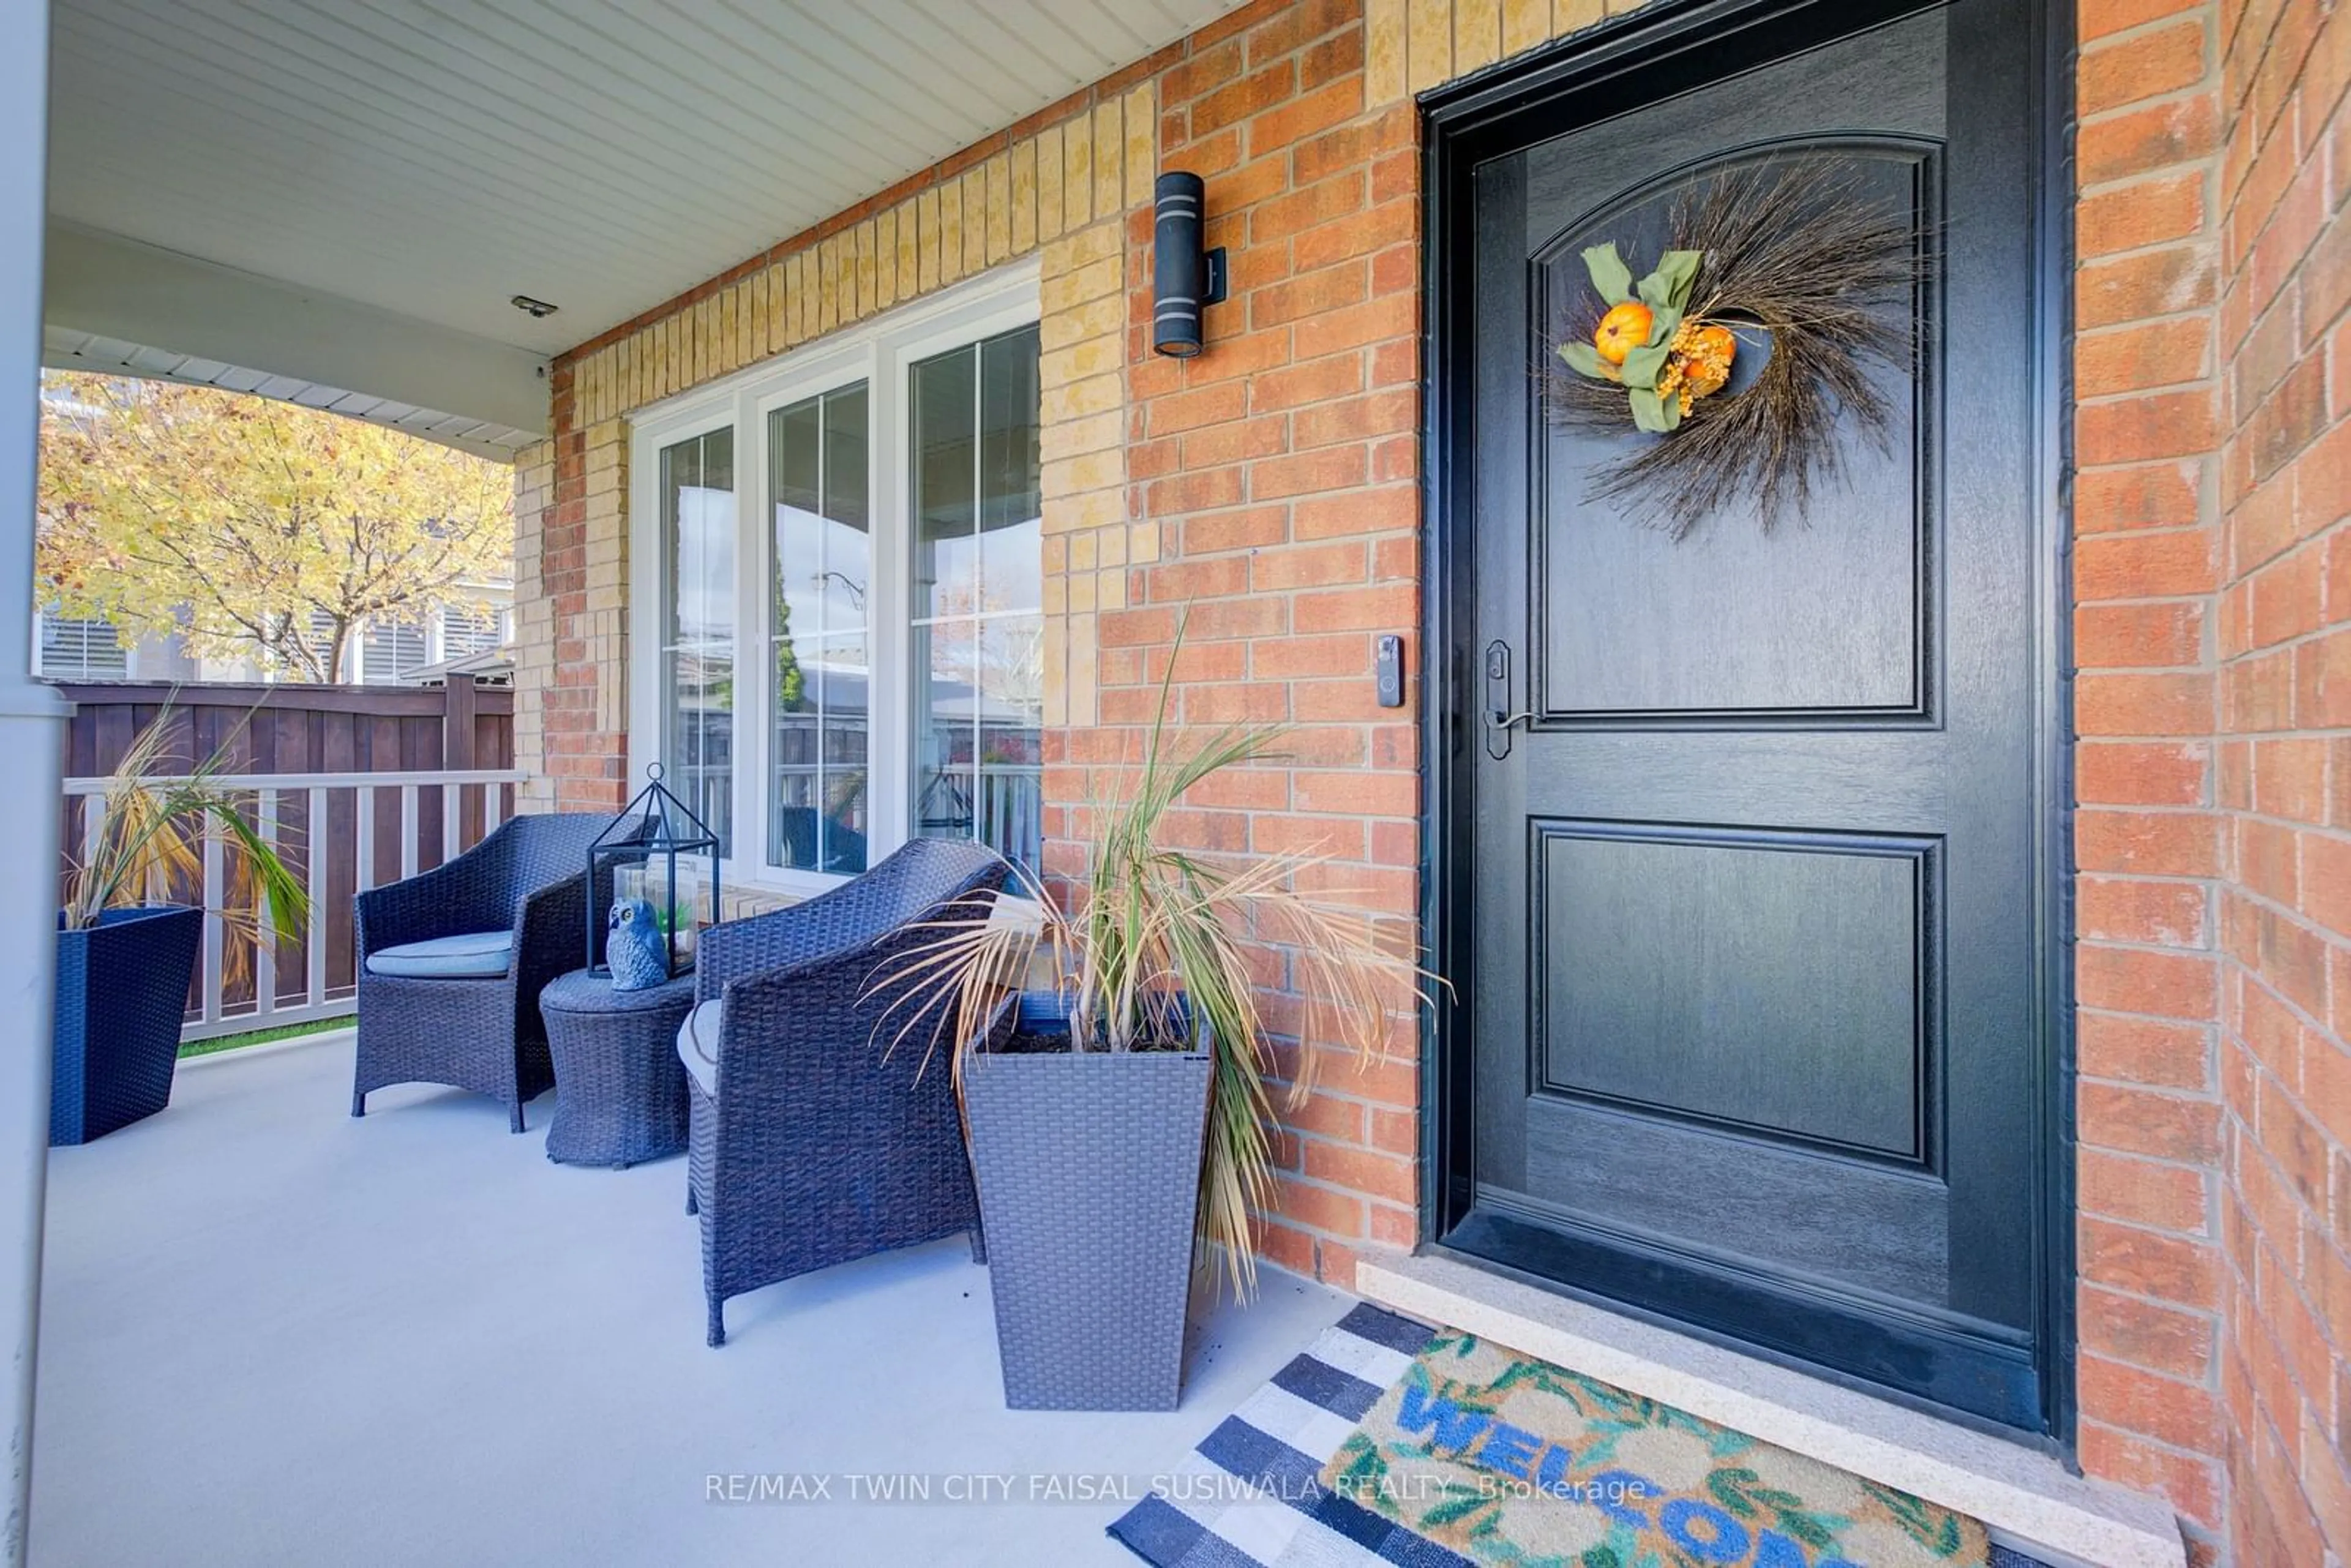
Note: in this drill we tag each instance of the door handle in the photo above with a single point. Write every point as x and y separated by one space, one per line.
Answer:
1500 719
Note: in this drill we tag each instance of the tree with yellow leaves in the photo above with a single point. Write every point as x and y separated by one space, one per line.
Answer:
250 526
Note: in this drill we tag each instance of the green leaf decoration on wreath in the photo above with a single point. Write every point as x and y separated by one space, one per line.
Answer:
1668 286
1652 413
1787 258
1641 366
1584 359
1665 292
1609 274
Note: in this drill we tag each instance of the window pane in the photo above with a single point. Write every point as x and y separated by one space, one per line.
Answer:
1011 714
946 555
698 646
795 478
817 811
943 729
978 703
848 539
844 823
816 807
1012 558
700 507
844 458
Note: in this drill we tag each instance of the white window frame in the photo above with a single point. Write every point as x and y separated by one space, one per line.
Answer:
879 353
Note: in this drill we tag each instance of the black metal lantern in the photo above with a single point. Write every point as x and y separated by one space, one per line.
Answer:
661 864
1186 277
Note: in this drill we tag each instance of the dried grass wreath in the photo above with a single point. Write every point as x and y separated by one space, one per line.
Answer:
1789 250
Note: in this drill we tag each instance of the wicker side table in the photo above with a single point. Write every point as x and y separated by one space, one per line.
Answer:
620 1090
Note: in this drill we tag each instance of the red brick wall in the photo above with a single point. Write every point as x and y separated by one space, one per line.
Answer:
1281 471
1271 485
2284 643
2213 570
572 724
2149 835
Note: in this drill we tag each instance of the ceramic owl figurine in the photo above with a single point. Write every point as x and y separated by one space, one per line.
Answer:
633 945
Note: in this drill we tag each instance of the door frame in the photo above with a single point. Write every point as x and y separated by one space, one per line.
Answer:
1607 70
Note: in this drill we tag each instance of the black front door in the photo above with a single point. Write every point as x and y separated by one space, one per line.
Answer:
1750 901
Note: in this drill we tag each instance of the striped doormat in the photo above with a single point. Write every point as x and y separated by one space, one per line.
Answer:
1391 1442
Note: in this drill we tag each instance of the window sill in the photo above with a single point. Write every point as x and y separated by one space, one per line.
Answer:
779 888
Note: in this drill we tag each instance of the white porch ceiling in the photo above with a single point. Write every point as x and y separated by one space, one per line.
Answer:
429 159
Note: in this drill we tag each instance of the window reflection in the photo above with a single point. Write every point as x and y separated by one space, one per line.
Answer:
977 594
817 479
698 634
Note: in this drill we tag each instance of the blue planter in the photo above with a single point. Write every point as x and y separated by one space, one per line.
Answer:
1046 1014
122 988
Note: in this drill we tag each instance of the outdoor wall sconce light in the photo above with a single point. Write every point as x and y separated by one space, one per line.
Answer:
1185 279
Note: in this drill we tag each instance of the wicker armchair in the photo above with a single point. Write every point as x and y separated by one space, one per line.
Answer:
821 1144
479 1033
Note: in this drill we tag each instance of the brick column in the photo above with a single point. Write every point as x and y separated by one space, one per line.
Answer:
2284 642
534 625
571 585
2149 838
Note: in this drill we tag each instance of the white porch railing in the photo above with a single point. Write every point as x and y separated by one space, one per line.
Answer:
305 816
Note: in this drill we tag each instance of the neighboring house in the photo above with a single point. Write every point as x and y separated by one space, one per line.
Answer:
65 649
381 654
1911 944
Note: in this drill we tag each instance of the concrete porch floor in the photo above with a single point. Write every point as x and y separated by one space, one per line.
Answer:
274 1334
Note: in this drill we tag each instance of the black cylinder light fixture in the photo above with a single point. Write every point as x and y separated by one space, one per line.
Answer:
1185 279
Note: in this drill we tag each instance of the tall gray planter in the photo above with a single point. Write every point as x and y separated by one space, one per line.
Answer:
1089 1174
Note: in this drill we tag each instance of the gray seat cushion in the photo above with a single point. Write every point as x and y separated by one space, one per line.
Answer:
475 956
697 1044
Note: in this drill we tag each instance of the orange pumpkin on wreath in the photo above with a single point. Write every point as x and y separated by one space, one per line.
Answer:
1780 252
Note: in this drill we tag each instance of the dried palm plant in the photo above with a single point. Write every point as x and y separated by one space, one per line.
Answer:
1154 956
149 845
1791 249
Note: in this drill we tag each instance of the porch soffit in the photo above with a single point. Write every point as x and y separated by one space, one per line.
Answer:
407 163
111 306
63 349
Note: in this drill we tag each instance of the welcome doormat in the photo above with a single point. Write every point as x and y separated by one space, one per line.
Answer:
1388 1441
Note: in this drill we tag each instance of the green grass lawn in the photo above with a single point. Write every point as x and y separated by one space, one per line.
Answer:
219 1043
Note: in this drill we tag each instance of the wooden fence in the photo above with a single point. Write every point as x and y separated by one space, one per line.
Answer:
306 758
296 729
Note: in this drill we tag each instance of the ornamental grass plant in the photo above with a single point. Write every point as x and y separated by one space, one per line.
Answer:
1151 952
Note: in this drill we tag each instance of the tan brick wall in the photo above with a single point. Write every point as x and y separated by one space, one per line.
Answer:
1415 45
1089 541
